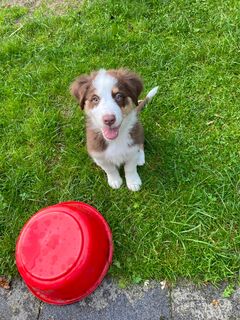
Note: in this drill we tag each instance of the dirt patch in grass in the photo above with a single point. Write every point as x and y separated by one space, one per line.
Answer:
56 6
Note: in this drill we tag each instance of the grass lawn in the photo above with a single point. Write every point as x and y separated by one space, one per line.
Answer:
185 220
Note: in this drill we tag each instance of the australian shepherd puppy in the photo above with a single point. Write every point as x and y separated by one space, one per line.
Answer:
114 134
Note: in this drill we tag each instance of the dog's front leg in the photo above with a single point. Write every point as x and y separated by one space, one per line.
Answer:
114 179
132 178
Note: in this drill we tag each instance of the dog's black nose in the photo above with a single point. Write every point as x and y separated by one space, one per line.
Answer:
109 119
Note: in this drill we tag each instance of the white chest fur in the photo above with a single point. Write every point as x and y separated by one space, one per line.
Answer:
120 151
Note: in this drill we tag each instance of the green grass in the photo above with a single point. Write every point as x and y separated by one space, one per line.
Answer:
185 220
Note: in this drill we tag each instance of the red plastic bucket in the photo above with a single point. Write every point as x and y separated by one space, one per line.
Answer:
64 251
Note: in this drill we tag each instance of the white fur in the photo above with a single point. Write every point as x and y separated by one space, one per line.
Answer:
152 93
104 83
132 178
114 179
141 157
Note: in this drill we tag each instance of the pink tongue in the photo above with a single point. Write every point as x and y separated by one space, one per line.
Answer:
110 133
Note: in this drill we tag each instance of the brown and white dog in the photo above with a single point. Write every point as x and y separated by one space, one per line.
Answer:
114 134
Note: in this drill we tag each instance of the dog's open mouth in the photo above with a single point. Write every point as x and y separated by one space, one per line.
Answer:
110 133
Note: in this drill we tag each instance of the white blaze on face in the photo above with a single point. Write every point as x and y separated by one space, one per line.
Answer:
104 83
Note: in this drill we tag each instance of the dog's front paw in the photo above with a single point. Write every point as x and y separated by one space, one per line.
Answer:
134 182
114 182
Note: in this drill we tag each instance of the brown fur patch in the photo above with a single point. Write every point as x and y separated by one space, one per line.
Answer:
129 106
81 88
115 90
95 141
137 134
128 82
89 103
126 103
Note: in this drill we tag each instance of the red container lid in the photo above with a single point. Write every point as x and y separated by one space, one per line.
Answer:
64 251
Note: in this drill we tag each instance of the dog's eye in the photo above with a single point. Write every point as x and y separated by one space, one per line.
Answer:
95 99
118 97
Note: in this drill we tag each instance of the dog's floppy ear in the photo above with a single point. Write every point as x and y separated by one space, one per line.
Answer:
79 89
131 82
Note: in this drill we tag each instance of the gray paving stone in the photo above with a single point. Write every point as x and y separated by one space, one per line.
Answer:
18 303
205 303
108 302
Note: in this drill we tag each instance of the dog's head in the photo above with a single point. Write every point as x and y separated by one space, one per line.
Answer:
108 97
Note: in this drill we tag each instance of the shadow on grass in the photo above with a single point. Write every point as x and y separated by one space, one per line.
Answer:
165 165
